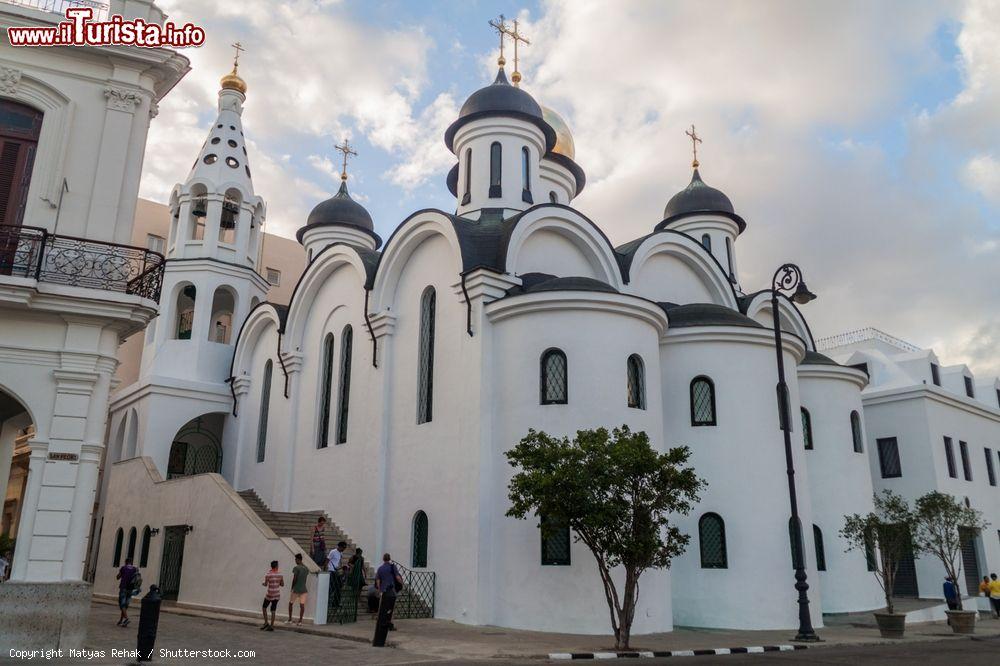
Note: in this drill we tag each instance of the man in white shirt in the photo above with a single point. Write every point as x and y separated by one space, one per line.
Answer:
333 566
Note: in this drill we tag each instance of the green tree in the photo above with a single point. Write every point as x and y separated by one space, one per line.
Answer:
615 492
941 524
884 536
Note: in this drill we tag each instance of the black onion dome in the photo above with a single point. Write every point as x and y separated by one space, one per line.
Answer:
339 209
500 98
705 314
698 197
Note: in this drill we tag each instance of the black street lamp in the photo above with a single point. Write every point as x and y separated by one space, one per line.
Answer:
788 278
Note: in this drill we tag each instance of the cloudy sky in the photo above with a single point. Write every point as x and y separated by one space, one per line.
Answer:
859 139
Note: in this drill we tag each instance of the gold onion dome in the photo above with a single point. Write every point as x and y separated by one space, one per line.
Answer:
564 138
232 81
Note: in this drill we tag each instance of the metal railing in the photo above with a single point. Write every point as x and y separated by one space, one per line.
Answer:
417 598
342 604
101 9
32 252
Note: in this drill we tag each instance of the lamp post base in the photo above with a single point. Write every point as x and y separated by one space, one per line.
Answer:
807 638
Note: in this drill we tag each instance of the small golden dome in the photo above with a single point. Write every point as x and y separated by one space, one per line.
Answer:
564 138
232 81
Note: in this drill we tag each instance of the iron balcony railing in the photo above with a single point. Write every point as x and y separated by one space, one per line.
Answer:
32 252
60 6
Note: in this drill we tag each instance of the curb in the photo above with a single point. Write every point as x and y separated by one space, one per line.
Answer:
675 653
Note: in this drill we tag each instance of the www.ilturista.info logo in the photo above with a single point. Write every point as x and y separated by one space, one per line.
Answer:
79 30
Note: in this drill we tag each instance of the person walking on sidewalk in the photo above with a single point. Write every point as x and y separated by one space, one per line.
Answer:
300 575
388 582
273 581
319 542
125 586
995 594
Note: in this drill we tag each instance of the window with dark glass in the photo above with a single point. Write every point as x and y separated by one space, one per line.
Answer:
496 162
467 196
970 390
870 562
420 537
935 374
119 541
346 345
706 242
712 542
998 398
807 431
888 457
795 540
20 127
636 382
702 402
265 406
857 434
729 258
425 367
554 198
555 543
554 390
963 450
989 467
327 395
144 548
820 552
526 176
132 537
949 456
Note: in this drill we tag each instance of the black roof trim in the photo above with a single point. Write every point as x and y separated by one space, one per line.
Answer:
452 180
532 283
705 314
815 358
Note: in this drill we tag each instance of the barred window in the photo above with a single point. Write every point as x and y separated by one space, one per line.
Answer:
795 539
636 382
265 406
144 549
702 402
555 543
132 536
119 540
807 431
888 458
554 378
820 552
420 534
346 344
425 368
327 395
712 541
856 433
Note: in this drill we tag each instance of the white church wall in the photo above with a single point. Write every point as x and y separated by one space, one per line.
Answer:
673 268
555 253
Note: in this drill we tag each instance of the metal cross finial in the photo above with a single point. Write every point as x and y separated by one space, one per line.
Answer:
347 150
500 25
516 37
236 59
695 140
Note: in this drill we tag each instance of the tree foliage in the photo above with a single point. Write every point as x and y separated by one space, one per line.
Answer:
941 523
617 494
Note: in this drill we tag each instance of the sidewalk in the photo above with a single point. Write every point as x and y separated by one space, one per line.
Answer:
444 639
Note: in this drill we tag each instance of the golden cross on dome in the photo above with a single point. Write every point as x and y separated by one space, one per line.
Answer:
236 60
516 37
347 150
500 25
695 140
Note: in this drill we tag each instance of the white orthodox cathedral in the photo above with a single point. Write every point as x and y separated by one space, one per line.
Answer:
386 392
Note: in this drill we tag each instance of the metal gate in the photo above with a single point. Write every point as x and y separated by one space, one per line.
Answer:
170 563
970 560
905 584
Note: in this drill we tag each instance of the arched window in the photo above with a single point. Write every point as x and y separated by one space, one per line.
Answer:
706 242
327 392
820 553
425 368
467 197
712 541
130 553
223 306
119 540
702 401
265 406
636 382
555 543
526 175
795 540
346 343
185 312
554 382
553 197
199 211
20 127
496 162
856 434
807 430
420 528
144 548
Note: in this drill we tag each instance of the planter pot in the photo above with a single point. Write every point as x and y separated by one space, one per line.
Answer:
891 625
962 621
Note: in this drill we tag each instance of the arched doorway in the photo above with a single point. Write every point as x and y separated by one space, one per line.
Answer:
197 447
16 430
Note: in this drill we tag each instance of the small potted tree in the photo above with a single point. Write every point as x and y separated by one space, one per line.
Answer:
884 536
941 524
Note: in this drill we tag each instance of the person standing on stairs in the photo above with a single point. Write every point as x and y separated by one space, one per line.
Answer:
319 542
333 566
273 581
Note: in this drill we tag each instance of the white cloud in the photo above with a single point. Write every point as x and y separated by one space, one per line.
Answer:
982 173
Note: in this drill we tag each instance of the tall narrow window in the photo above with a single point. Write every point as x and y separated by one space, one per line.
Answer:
820 552
949 457
712 542
185 312
20 127
729 259
420 537
702 402
989 467
554 198
346 343
888 458
496 162
706 242
144 548
425 379
526 175
554 371
119 540
856 433
467 196
963 449
265 406
795 540
555 543
132 537
935 374
636 382
327 395
807 429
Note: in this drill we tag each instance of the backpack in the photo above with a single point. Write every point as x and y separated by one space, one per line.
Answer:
136 583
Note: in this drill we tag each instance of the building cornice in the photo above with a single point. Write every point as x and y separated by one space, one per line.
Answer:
841 373
921 391
617 304
792 344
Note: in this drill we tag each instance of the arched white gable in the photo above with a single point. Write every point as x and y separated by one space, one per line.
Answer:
260 327
791 319
674 268
561 242
406 239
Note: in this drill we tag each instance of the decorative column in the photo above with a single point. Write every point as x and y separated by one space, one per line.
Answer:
383 326
83 503
110 169
26 528
293 366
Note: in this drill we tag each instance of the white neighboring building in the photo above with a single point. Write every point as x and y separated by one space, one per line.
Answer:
73 129
931 427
